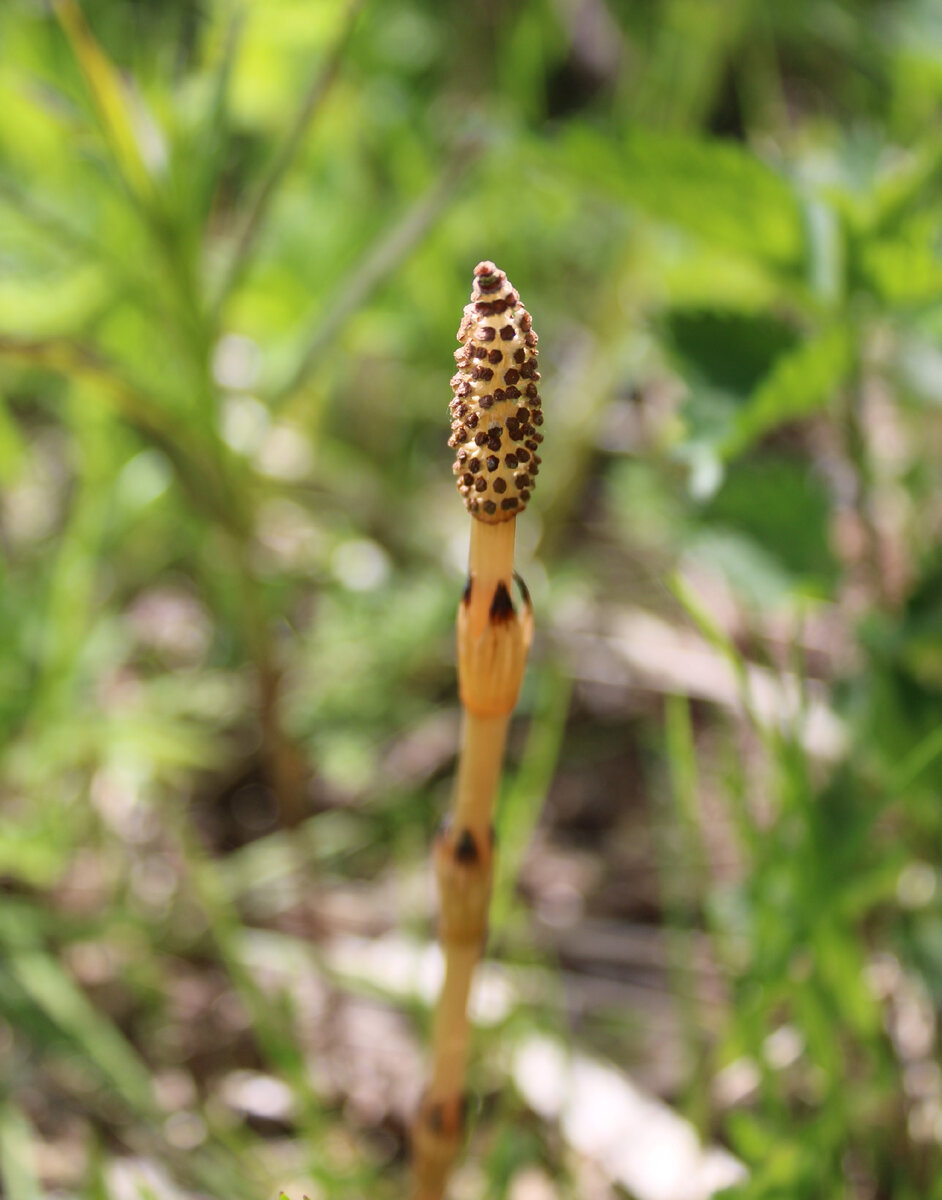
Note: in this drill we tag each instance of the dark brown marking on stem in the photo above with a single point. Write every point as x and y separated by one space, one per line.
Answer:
502 607
466 848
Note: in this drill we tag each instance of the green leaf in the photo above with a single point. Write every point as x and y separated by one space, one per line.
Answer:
48 306
783 508
715 189
800 383
902 271
727 349
903 188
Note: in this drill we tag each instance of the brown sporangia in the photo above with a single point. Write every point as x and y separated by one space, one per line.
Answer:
495 329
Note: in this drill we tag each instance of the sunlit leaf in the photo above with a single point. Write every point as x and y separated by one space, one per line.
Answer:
715 189
903 272
58 304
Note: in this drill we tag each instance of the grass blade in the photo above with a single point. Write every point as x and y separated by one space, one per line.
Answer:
520 810
17 1168
69 1008
108 96
385 255
317 92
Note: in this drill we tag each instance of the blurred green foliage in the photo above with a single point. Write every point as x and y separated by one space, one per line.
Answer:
235 240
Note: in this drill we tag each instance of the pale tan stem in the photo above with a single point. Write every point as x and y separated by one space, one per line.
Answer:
451 1023
482 755
490 562
492 649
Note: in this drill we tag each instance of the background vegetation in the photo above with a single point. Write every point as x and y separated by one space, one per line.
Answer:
235 241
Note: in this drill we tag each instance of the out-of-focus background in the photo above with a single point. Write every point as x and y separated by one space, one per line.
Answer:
235 241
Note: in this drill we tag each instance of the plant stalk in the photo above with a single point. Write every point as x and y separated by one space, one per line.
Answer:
492 653
495 436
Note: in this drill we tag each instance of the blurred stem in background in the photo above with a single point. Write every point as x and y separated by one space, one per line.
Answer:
684 879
